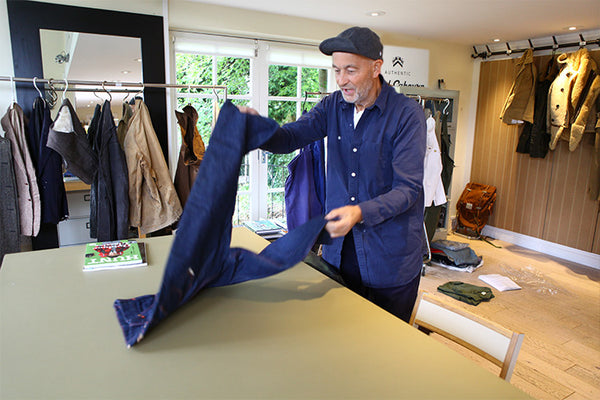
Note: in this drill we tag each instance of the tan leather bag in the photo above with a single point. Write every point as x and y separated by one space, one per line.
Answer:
474 208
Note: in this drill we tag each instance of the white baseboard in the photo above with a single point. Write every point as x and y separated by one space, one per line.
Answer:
543 246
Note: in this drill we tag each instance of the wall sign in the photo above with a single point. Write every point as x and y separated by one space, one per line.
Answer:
404 66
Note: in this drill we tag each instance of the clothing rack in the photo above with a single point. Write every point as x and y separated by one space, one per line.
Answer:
555 46
121 86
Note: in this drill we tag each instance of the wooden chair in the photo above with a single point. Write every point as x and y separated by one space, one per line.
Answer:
491 341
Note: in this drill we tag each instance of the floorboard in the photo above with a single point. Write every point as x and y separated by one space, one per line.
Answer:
558 310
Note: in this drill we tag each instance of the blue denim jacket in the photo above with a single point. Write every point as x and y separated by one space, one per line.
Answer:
378 166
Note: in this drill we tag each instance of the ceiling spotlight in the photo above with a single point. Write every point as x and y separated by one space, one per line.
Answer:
573 28
137 59
496 40
125 71
375 13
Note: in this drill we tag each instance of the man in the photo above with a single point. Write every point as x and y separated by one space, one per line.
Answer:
375 146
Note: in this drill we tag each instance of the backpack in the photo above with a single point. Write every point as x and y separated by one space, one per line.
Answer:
474 208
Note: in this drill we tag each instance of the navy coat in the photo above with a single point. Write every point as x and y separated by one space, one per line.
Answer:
48 166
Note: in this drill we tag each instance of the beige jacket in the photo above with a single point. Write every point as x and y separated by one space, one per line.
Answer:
519 104
153 202
571 97
28 193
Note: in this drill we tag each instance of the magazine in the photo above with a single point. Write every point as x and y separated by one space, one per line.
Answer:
500 282
263 227
114 254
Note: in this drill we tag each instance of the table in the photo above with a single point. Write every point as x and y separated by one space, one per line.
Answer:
297 334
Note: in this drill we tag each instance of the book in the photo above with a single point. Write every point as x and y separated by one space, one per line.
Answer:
500 282
114 254
263 227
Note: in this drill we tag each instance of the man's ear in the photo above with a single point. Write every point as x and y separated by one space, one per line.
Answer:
377 67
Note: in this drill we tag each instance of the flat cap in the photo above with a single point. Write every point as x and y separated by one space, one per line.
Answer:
355 40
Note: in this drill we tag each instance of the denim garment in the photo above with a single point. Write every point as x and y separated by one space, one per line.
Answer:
379 166
201 256
48 166
302 201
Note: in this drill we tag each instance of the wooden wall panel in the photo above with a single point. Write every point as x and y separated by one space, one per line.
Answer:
596 245
544 198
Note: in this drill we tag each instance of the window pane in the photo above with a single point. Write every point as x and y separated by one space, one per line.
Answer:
282 111
193 69
244 177
276 205
283 80
235 74
241 212
314 80
277 171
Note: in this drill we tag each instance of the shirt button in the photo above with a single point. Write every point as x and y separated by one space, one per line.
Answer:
339 138
353 174
352 198
355 149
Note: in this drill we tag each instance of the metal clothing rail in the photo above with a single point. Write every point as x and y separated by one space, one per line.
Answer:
115 84
555 46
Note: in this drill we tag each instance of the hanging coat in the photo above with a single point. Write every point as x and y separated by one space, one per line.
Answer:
302 201
9 208
534 138
201 256
93 139
153 201
68 138
191 152
28 194
48 166
520 101
112 198
433 187
571 97
447 161
123 124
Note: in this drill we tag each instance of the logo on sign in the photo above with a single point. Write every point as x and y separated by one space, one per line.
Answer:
398 61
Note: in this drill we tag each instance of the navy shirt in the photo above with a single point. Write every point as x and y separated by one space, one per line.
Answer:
379 166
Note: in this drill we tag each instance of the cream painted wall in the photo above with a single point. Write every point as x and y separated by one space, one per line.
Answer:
447 61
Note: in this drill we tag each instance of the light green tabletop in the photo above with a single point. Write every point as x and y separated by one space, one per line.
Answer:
297 334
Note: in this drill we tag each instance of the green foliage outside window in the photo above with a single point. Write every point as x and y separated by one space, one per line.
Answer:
194 69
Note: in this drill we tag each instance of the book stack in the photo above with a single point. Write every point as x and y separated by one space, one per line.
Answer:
114 255
267 228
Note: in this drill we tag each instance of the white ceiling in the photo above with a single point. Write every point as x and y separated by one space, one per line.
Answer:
466 22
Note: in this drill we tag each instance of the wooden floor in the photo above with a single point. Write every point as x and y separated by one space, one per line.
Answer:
558 309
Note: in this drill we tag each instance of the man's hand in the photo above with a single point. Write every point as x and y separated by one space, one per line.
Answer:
247 110
342 219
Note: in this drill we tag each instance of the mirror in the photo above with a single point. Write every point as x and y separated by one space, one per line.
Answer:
77 56
27 18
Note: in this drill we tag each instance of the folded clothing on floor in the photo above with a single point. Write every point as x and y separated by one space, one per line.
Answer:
454 255
466 292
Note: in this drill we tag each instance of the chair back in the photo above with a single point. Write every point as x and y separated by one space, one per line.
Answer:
490 340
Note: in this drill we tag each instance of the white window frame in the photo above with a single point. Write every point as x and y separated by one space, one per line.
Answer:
262 53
